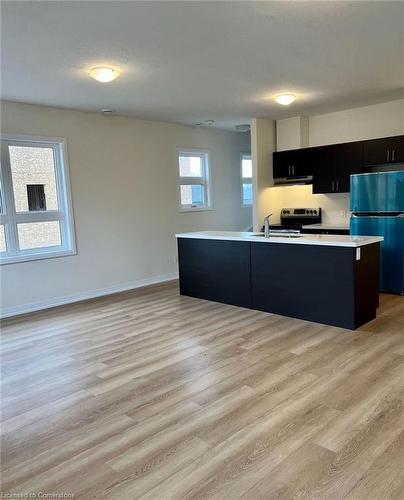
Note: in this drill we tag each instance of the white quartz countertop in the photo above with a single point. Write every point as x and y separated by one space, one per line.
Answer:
303 239
326 226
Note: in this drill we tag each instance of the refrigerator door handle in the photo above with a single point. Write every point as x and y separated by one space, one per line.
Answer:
377 216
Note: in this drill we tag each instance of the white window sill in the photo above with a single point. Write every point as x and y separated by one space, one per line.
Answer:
195 209
14 259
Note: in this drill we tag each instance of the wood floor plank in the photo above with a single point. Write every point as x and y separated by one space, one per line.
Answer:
294 475
148 394
384 480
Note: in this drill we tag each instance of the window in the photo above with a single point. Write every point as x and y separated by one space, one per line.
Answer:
246 179
36 197
194 185
35 206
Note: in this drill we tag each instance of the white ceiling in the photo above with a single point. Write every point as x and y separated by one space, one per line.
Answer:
193 61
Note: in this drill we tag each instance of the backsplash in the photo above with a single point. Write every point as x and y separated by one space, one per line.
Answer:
335 207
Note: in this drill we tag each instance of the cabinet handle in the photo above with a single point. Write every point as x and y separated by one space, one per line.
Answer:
388 155
294 171
337 185
289 170
393 154
332 186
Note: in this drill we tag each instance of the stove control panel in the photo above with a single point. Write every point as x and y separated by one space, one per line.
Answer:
301 212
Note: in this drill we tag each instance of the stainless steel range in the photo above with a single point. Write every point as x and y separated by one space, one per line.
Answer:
292 219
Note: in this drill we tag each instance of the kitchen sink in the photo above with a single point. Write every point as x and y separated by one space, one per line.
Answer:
280 235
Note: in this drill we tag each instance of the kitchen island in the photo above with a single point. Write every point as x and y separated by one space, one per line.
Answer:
330 279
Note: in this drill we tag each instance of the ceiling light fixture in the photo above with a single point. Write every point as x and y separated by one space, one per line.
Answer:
104 74
285 99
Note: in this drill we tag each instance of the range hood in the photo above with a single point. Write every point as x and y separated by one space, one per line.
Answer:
293 179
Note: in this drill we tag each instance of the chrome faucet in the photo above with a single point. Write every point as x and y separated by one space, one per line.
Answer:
266 226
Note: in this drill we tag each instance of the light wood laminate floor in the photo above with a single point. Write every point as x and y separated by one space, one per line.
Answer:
151 395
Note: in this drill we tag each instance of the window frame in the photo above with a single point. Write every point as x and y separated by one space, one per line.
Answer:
64 215
205 180
249 180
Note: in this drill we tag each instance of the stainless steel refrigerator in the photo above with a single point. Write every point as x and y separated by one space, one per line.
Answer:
377 206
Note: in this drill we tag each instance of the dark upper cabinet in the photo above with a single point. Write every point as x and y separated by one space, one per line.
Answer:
347 160
331 166
281 163
322 168
397 153
334 166
291 163
384 151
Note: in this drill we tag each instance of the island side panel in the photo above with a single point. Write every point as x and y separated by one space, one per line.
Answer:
367 264
311 282
215 270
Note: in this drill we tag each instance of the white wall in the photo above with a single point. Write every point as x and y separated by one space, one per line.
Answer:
292 133
262 147
368 122
335 207
125 200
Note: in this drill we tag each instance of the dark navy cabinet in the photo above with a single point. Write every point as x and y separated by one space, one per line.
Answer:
327 284
384 151
217 270
331 166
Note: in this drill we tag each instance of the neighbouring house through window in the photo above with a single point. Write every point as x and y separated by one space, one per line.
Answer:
35 206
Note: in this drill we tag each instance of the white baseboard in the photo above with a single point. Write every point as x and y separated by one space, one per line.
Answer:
6 312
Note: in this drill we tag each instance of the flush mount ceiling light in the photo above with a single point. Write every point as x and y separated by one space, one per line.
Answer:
104 74
285 99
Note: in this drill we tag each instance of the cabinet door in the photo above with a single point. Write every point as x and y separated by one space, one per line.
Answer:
301 162
215 270
323 170
298 281
282 164
347 160
397 149
377 151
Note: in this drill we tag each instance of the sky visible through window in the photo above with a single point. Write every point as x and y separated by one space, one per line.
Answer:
246 174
